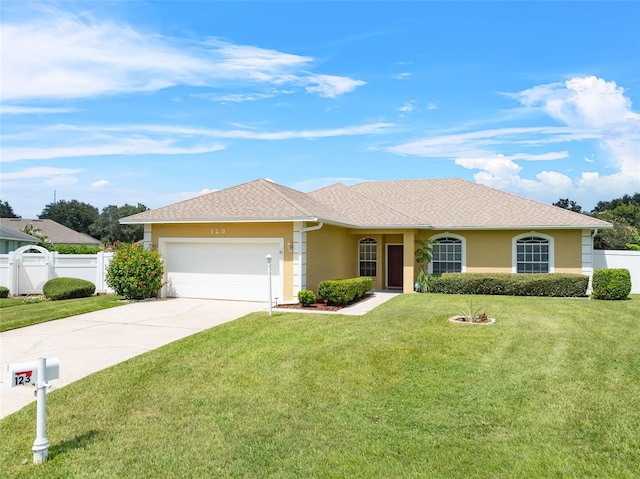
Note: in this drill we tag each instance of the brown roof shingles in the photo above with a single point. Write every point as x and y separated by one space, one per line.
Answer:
437 203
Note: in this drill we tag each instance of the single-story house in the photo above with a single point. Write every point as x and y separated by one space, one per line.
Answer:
12 239
215 245
54 231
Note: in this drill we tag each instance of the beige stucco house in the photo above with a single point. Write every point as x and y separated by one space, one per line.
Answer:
215 245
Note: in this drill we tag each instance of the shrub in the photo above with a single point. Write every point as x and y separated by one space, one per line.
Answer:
76 249
68 288
4 292
306 297
541 284
343 291
135 272
614 283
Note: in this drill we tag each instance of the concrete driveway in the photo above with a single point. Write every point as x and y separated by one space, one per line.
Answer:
90 342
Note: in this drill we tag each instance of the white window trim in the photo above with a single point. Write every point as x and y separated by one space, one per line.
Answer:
377 255
514 249
463 242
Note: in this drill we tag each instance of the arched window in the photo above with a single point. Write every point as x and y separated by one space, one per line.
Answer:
448 254
533 253
368 257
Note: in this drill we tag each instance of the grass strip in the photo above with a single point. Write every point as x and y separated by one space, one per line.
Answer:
18 314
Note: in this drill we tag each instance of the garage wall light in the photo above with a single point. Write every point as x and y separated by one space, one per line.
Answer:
290 247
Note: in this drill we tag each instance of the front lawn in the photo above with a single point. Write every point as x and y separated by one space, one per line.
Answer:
550 391
15 313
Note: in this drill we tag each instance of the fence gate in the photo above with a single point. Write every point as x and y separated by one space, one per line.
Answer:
32 269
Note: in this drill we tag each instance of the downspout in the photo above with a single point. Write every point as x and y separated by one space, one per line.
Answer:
313 228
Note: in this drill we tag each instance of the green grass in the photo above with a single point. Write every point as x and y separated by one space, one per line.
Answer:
14 313
550 391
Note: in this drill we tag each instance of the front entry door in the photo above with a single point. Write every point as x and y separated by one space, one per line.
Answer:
395 253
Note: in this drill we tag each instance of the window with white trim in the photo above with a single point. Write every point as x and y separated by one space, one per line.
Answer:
447 255
368 257
532 255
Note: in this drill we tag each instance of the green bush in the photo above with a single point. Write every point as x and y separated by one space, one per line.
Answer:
511 284
68 288
614 283
4 292
343 291
306 297
135 272
76 249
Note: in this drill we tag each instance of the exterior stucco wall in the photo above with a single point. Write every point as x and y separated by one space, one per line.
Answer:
331 254
234 230
491 251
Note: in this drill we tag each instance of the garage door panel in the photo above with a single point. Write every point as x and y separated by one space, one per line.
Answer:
222 270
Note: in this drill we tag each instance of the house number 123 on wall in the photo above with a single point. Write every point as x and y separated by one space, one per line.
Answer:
218 231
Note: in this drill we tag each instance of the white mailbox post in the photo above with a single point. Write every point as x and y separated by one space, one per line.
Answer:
36 373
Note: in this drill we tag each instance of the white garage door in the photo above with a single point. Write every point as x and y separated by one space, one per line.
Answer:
227 268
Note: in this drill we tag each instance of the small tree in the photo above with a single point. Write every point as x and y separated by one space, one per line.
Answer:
424 254
135 272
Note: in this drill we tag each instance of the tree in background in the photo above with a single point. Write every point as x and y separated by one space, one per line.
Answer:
73 214
6 211
36 233
568 204
108 229
623 213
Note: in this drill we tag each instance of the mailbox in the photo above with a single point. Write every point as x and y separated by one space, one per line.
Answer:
22 374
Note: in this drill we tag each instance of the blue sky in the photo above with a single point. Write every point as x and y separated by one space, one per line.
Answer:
156 102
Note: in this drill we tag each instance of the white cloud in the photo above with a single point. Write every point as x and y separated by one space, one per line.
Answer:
432 106
57 54
61 140
27 110
330 86
590 108
100 184
401 76
61 181
128 146
39 172
408 107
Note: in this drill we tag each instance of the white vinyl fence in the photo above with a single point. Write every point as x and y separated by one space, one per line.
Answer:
26 272
603 259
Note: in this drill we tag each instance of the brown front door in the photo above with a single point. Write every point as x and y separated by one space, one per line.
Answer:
394 265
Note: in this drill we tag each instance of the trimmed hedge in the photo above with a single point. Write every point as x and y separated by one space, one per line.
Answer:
4 292
306 297
511 284
614 283
68 288
342 291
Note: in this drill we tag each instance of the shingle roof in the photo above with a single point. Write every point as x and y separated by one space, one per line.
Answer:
7 233
259 200
456 203
437 203
55 232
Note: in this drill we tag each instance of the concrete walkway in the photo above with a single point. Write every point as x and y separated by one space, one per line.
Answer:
90 342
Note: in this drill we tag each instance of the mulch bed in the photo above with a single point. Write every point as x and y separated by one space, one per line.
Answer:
321 306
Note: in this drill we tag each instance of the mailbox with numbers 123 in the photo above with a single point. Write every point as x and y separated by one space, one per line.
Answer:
35 373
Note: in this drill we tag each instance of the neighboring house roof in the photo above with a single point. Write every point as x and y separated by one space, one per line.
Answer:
436 204
55 232
7 233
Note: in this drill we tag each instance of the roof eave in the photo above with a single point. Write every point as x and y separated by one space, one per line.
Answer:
147 221
522 227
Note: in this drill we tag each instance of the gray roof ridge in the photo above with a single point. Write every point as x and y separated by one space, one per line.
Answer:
275 187
412 218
